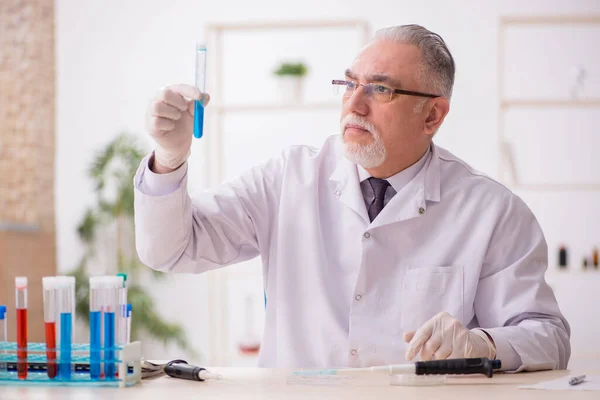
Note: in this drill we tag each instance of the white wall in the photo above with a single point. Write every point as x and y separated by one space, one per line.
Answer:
113 55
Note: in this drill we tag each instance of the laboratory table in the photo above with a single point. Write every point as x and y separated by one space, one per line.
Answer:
259 383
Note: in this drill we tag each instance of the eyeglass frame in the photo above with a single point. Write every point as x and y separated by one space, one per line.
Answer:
394 91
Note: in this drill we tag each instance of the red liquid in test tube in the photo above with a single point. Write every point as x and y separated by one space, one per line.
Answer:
49 291
21 305
51 349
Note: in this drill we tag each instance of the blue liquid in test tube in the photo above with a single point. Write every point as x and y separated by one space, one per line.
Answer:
66 329
3 339
95 343
200 84
96 298
65 296
113 284
109 345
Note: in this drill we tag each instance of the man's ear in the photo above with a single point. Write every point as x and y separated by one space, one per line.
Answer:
438 109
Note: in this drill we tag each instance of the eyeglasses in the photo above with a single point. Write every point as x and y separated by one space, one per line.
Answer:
379 93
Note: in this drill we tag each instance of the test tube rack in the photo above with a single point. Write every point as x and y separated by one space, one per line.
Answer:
127 359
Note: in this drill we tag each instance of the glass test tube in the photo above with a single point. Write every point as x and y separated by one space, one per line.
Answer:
64 288
21 306
95 326
200 84
73 303
3 338
128 323
50 310
111 300
122 315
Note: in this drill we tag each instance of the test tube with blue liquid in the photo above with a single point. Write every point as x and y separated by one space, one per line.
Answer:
95 326
200 84
111 301
3 339
65 294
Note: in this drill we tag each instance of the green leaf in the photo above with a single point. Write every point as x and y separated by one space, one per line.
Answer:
298 69
86 230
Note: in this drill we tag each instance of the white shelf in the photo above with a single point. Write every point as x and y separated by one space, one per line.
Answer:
249 26
563 281
535 105
540 103
572 270
229 109
557 187
509 102
550 19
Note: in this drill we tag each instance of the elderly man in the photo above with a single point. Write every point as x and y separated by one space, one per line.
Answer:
378 247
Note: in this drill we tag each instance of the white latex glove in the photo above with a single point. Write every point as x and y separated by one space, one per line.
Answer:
443 336
170 121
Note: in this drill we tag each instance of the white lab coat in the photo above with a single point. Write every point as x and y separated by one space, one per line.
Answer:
341 290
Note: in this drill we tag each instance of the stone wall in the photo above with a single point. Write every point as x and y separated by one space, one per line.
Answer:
27 91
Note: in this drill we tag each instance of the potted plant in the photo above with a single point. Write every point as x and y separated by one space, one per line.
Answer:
290 79
111 172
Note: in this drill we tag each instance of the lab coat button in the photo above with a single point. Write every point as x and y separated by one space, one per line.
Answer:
354 352
367 235
421 210
358 297
338 193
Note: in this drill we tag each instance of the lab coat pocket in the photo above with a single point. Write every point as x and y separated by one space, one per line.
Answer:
427 291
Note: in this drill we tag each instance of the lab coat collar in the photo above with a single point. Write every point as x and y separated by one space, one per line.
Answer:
400 179
347 187
409 202
433 172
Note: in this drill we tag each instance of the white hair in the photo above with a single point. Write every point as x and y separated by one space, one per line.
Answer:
437 69
369 155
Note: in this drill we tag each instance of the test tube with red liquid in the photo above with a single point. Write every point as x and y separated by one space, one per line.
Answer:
49 288
21 306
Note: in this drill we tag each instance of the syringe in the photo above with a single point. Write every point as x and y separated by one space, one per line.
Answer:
200 84
454 366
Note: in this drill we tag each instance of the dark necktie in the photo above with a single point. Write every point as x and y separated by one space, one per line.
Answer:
379 187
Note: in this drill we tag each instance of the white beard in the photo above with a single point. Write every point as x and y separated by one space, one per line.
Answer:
369 155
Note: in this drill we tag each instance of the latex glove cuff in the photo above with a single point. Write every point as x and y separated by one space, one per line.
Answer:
170 159
488 341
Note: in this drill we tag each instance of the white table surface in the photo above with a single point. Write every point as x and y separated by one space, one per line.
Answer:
256 383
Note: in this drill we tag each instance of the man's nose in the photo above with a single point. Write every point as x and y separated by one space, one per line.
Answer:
358 102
